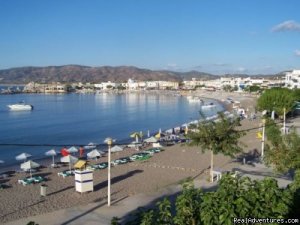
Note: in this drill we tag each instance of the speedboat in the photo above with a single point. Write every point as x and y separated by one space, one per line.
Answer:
20 106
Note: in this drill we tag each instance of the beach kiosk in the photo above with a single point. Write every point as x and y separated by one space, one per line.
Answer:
83 177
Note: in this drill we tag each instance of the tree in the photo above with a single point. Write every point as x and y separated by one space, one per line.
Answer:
277 99
242 198
227 88
120 88
148 218
235 198
115 221
218 136
164 212
283 152
254 88
188 206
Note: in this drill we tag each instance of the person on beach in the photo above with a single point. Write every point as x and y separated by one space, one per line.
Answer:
81 152
64 151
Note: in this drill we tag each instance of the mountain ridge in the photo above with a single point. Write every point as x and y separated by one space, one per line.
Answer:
80 73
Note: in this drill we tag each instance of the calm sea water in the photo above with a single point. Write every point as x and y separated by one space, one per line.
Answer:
78 119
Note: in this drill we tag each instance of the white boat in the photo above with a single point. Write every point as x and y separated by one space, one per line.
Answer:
210 106
20 106
90 145
194 99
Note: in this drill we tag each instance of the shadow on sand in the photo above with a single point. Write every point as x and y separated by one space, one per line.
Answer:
117 179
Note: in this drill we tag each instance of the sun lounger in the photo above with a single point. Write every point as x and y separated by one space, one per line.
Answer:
26 181
38 179
65 173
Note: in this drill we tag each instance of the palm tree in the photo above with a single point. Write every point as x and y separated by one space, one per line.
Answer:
218 136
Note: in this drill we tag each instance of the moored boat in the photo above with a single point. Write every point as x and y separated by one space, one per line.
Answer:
20 106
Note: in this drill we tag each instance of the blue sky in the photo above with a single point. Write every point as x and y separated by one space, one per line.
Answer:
217 36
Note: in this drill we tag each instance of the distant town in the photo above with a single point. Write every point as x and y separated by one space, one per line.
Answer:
248 84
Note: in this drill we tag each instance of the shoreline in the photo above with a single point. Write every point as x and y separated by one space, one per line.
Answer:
163 169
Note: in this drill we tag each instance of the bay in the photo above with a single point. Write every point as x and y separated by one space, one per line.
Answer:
77 119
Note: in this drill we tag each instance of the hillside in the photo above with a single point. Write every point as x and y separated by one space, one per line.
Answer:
77 73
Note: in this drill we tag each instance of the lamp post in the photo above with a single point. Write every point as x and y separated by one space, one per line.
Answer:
263 139
284 131
109 142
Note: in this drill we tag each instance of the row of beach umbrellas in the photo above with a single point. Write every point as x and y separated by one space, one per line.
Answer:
91 155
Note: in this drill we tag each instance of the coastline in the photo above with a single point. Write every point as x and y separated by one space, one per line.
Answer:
129 179
12 164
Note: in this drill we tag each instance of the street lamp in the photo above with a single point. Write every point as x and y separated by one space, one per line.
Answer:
109 142
263 138
284 129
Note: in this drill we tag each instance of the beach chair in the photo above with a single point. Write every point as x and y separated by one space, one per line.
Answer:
218 174
26 181
65 174
103 165
95 167
38 179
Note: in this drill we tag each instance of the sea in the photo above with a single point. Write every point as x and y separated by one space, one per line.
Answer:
78 119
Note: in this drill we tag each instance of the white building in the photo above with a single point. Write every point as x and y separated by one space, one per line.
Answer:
55 88
292 79
168 85
108 85
132 85
152 84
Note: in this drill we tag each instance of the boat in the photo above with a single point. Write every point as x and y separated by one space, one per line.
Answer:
209 106
194 99
20 106
90 145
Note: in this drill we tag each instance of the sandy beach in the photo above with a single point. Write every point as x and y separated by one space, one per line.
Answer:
171 166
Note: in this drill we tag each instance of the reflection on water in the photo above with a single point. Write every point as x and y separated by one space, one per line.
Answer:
20 113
